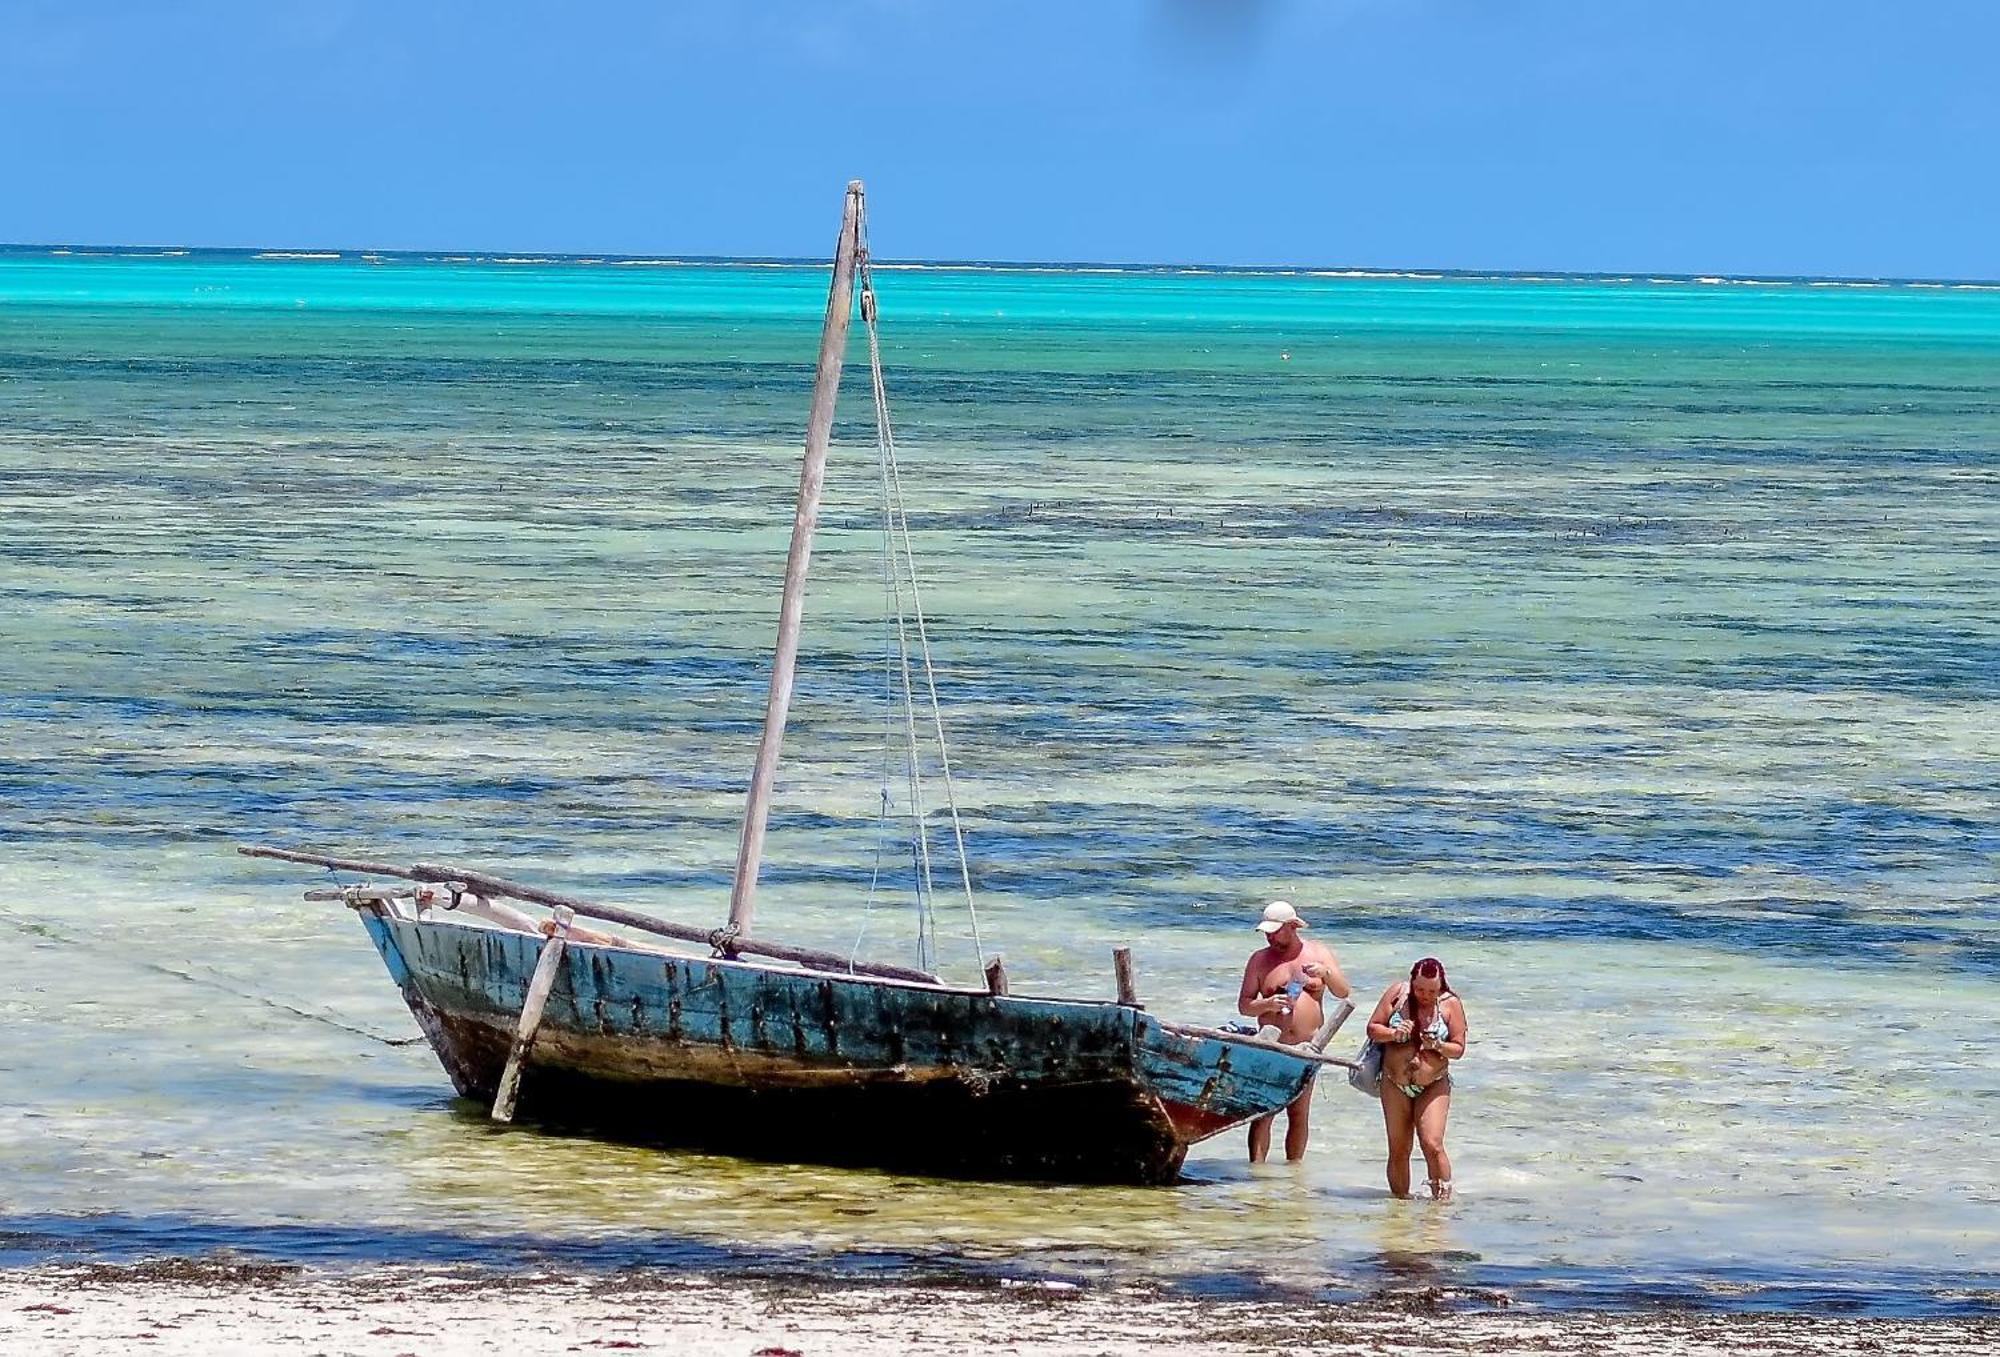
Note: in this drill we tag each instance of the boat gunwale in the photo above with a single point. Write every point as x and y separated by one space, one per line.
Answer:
1178 1029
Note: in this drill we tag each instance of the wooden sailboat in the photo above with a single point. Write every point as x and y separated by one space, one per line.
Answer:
774 1050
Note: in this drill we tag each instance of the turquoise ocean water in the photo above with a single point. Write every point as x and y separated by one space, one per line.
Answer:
1631 644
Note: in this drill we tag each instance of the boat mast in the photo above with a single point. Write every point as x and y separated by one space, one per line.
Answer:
819 427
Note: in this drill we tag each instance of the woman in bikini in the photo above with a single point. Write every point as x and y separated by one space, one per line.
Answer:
1420 1025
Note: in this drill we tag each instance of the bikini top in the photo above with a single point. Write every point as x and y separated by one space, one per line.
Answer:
1437 1029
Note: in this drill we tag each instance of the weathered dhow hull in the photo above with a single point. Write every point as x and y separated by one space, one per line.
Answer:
835 1069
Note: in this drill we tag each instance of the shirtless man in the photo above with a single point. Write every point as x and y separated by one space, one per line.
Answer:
1284 986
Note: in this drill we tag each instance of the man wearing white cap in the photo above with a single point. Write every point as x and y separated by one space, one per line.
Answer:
1284 987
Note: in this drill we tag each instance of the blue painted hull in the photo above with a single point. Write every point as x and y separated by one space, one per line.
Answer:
804 1066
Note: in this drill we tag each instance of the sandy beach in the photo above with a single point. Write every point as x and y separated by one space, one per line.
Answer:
183 1308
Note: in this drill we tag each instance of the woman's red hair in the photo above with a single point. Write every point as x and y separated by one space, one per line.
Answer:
1430 968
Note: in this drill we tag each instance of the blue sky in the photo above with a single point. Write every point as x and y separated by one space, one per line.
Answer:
1755 136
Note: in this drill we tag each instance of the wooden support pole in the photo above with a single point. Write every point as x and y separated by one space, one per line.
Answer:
1128 992
361 895
646 923
1338 1012
361 865
1300 1052
544 980
491 886
996 976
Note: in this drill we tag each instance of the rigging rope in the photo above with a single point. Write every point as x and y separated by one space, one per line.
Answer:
920 847
898 525
899 661
875 873
40 929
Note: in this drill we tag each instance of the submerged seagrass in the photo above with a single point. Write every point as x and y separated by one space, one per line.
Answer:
1632 645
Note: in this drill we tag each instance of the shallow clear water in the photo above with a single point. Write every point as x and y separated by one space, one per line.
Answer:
1633 646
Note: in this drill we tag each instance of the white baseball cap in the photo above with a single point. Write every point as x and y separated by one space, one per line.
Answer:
1276 915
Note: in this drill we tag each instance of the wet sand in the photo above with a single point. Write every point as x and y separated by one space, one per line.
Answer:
199 1308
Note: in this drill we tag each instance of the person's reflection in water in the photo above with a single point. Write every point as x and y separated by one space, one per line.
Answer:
1415 1248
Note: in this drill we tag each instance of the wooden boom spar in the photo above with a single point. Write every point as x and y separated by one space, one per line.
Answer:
485 883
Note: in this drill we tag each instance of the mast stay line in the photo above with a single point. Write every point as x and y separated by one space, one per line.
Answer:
899 526
850 259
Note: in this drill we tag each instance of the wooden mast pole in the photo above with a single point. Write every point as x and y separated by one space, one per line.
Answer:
819 428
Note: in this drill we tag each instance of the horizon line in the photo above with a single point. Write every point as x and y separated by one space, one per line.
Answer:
330 253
